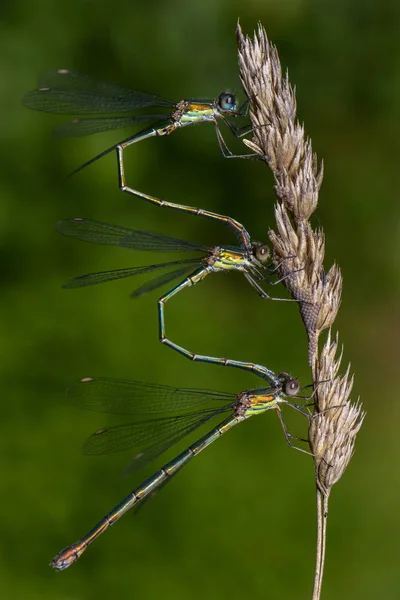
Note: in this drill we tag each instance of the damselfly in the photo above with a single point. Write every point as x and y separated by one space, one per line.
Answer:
68 92
71 93
151 434
253 264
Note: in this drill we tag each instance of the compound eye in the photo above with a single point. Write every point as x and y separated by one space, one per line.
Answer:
261 252
292 387
227 101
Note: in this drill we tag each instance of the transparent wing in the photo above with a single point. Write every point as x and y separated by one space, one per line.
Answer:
125 397
81 127
148 439
105 276
163 279
69 92
97 232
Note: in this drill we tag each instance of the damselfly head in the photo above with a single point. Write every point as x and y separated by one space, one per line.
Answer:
227 102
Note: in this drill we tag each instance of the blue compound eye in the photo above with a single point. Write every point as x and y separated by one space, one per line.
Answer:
227 101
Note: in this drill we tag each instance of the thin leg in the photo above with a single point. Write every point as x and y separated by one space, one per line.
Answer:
288 436
263 293
298 408
225 151
258 370
317 414
286 276
244 109
238 229
239 132
273 269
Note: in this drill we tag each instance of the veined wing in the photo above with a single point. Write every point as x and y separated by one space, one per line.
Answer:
69 92
148 439
163 279
107 234
126 397
105 276
88 126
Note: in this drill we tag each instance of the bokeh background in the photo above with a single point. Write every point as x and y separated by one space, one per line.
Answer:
240 520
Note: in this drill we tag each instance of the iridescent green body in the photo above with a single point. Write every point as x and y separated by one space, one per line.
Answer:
69 92
251 262
244 405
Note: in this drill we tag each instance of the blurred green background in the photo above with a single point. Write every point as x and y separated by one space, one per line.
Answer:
240 521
